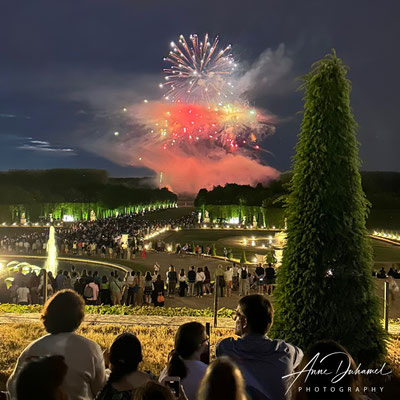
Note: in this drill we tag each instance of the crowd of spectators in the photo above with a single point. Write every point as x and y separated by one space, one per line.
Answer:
65 365
137 288
102 237
393 272
114 289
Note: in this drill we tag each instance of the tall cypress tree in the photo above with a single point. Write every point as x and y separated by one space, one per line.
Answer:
325 288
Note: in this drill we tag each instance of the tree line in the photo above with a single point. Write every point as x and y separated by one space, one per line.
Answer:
75 186
381 188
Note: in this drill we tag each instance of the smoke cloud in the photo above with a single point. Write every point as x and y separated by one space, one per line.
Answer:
184 170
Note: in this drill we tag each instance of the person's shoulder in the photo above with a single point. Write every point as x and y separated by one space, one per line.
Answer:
139 378
285 345
224 346
196 366
201 366
35 346
292 351
85 341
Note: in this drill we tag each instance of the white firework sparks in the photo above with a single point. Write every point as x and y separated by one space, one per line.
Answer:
198 71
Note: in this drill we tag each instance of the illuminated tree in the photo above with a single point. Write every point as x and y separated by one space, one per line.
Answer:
324 286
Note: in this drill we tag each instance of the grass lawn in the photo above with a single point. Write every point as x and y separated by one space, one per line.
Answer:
171 213
156 342
383 252
206 237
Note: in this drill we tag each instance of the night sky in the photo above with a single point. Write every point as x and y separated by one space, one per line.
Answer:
65 67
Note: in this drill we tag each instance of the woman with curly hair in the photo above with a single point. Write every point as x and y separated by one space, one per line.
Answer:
61 316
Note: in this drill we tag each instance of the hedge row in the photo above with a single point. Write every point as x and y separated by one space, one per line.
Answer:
126 310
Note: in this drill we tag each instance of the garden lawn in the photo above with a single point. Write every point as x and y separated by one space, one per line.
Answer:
156 342
383 252
170 213
206 237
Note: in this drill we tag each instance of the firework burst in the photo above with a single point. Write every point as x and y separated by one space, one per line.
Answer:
199 71
195 127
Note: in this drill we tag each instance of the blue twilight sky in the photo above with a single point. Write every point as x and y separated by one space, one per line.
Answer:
65 67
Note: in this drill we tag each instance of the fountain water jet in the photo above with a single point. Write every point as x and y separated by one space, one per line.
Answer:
51 250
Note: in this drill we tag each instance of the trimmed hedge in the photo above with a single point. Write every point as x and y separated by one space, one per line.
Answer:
126 310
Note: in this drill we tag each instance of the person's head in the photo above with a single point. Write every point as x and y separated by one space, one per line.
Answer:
171 268
112 274
66 274
96 273
125 356
159 277
133 273
60 272
90 273
63 312
73 268
41 379
228 267
182 272
254 315
84 273
198 269
334 359
104 279
192 267
148 276
191 341
222 381
206 269
153 391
